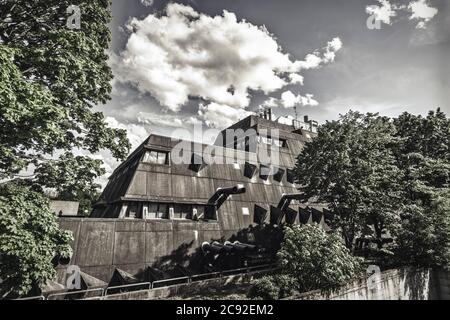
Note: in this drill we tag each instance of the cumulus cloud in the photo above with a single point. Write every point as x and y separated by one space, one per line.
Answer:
270 103
289 100
147 3
418 10
166 120
136 133
219 116
296 78
320 57
185 54
383 12
421 11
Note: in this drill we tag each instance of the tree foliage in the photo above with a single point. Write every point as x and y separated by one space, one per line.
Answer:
315 259
51 78
309 259
382 175
29 239
351 167
423 154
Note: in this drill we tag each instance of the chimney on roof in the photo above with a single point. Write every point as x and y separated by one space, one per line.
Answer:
265 114
305 119
269 114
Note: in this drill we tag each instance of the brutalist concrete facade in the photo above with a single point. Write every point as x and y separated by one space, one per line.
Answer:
154 211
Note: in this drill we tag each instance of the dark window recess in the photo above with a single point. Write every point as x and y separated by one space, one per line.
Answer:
316 215
155 211
210 212
259 215
132 211
197 163
290 176
182 211
304 214
264 172
291 214
278 176
249 170
275 214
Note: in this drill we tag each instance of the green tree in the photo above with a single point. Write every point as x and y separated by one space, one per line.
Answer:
350 167
423 155
424 239
309 259
29 239
51 80
317 260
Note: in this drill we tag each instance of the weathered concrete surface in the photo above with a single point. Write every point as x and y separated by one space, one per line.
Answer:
101 245
402 284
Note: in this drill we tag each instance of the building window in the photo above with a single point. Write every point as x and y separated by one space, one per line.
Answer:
162 211
155 211
156 157
281 143
198 212
182 211
132 211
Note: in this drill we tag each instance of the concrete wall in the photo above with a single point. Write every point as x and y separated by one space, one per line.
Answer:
101 245
403 284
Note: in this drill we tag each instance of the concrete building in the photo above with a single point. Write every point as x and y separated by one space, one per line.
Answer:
157 211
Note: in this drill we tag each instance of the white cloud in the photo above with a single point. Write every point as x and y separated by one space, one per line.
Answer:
296 78
317 59
421 11
186 54
289 100
383 13
220 116
136 133
270 103
147 3
164 120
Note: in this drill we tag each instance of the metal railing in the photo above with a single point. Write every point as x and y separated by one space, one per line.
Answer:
155 284
126 286
32 298
186 279
52 296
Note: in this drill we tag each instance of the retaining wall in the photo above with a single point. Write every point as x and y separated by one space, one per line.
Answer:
398 284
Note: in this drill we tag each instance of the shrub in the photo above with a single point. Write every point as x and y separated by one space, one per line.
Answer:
316 260
264 288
